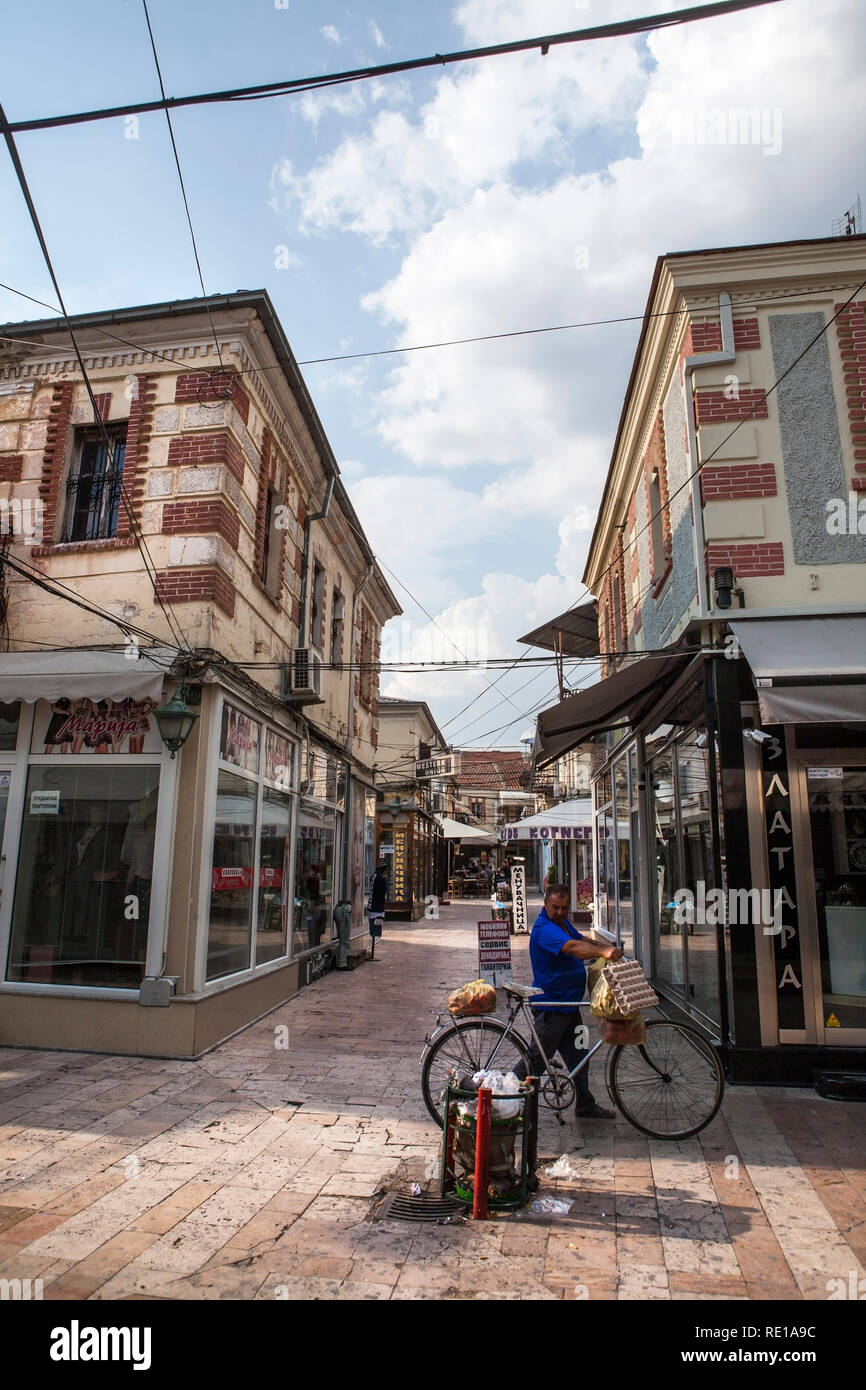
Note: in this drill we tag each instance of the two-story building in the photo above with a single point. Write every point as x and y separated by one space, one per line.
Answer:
415 789
729 566
181 560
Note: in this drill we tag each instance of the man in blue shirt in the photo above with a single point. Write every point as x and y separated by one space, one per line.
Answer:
557 952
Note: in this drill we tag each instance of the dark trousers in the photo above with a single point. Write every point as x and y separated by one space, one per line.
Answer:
556 1031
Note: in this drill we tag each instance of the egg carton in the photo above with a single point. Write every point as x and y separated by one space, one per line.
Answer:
629 986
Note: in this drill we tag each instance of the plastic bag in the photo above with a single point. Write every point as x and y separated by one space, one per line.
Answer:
478 997
550 1206
620 1032
593 972
498 1083
614 1027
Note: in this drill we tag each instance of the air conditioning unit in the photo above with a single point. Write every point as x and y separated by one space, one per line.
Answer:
302 678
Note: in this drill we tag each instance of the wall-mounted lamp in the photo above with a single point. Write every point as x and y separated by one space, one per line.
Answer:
175 720
723 578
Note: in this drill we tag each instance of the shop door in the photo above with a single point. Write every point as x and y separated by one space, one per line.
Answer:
831 891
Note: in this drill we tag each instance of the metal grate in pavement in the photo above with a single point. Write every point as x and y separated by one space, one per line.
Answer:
400 1206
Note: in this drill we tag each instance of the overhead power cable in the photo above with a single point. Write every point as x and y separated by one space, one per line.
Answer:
170 616
294 86
180 179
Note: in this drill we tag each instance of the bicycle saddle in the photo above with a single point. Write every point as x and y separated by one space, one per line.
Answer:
521 991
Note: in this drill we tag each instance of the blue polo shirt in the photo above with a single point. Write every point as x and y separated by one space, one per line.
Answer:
562 977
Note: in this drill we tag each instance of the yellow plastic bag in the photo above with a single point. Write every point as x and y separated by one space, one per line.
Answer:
614 1027
478 997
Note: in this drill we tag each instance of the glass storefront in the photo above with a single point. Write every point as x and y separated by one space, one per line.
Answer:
318 858
83 882
837 820
253 839
685 926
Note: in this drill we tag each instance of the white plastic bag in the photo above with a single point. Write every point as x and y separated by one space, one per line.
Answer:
507 1084
550 1206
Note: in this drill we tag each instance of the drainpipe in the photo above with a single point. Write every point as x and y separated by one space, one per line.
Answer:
314 516
704 359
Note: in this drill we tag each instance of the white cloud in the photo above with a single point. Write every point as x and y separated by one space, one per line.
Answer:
530 191
378 36
330 33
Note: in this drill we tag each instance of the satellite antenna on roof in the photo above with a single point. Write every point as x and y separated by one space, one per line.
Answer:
850 223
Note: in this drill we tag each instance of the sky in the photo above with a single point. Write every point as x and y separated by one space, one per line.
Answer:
511 193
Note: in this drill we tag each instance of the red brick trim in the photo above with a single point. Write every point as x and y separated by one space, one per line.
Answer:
752 558
203 584
208 387
138 432
722 481
194 518
851 336
715 408
707 337
196 449
11 468
59 416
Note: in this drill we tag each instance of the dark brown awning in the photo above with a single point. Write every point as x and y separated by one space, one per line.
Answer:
574 633
622 698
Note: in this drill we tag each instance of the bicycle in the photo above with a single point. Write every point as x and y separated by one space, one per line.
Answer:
668 1087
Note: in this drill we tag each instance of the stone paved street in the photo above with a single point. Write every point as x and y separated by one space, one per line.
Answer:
253 1173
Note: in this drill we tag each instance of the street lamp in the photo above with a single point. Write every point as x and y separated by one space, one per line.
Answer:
175 720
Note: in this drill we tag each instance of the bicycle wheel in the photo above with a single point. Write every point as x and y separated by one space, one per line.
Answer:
672 1085
472 1044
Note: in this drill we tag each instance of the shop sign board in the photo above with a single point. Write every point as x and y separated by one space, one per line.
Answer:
446 765
45 803
239 739
95 726
546 832
494 952
518 897
399 866
278 760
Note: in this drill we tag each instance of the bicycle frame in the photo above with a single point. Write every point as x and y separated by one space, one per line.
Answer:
520 1007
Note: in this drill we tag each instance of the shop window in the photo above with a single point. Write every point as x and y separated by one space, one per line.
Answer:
9 715
275 855
314 876
228 946
93 488
83 885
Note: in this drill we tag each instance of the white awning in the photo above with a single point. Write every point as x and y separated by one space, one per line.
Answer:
570 820
82 674
453 830
807 670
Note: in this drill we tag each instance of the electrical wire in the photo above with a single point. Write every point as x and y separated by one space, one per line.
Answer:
171 619
180 179
617 29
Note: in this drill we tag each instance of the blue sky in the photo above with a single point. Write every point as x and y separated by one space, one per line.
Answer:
506 194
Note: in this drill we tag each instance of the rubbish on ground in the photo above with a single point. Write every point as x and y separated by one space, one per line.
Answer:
562 1168
416 1189
551 1206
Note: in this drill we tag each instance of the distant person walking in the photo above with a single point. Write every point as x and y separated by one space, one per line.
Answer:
378 894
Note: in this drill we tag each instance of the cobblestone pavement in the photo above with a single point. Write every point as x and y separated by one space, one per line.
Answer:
254 1172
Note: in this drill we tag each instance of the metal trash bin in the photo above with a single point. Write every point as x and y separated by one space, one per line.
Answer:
511 1155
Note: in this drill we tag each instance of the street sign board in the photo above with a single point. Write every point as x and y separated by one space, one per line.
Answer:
446 765
518 896
494 952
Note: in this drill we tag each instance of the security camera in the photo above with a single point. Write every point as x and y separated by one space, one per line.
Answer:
757 735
